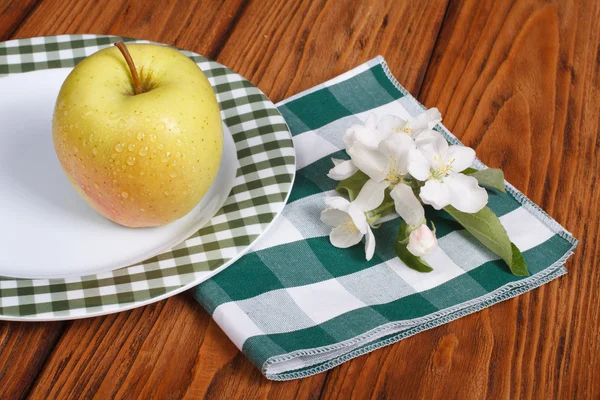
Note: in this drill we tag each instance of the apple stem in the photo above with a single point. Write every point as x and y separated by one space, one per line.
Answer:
136 79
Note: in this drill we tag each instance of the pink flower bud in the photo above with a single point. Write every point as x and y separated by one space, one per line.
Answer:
422 241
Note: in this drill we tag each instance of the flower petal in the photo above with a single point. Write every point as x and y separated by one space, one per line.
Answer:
369 137
425 120
391 123
463 157
418 166
436 194
341 238
371 195
337 203
407 205
349 137
465 193
342 170
369 245
371 121
371 162
359 218
333 217
396 147
422 241
431 144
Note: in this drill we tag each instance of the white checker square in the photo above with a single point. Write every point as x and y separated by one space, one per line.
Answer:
281 231
444 269
172 280
42 298
233 320
13 59
310 147
107 290
10 301
524 229
65 54
139 285
324 300
75 294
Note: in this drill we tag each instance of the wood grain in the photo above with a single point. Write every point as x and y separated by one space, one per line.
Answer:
520 81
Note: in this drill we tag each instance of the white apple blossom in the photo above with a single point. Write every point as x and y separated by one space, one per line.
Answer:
387 167
349 224
413 126
422 241
439 165
373 132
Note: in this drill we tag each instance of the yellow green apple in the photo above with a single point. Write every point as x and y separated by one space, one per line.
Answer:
138 132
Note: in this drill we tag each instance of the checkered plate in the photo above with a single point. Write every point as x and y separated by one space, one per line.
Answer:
262 185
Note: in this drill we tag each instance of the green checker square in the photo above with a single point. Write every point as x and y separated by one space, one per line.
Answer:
363 93
27 67
247 269
297 265
458 290
304 108
363 319
60 305
54 64
121 280
90 284
25 290
184 269
27 309
155 292
125 297
154 274
25 49
340 263
51 47
92 300
58 287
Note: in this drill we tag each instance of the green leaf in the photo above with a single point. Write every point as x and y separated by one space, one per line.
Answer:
518 266
353 184
491 178
400 246
468 171
486 228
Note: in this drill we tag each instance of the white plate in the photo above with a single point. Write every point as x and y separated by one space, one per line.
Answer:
47 230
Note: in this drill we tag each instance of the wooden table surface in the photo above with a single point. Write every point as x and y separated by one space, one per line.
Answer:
517 80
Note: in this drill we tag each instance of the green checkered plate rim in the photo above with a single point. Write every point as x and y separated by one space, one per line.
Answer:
262 185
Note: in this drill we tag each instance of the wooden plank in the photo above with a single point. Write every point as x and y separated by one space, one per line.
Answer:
12 13
519 81
173 348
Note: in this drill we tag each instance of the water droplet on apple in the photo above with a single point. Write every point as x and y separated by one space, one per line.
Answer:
161 126
113 115
166 193
88 113
143 151
178 143
113 156
114 181
115 173
147 119
131 161
190 185
173 174
130 134
160 146
94 151
142 172
85 143
165 157
117 162
122 124
96 185
142 209
130 176
75 149
91 138
140 135
124 194
153 138
119 147
131 147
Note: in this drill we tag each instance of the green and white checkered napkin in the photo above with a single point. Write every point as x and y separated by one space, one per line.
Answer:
297 306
